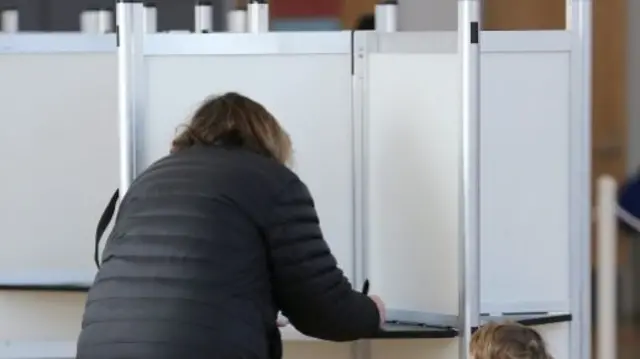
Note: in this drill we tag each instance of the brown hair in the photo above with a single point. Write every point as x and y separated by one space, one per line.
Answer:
233 119
507 341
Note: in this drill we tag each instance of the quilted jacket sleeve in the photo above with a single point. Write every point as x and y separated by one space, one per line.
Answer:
310 289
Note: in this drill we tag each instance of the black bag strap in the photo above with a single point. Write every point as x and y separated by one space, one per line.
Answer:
105 219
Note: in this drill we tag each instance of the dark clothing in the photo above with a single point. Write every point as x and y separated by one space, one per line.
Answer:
629 202
208 245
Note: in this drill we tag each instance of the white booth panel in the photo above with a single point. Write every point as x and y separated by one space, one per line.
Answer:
309 94
558 339
412 121
525 181
415 349
60 140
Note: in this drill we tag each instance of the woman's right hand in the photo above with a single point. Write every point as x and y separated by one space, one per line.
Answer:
381 308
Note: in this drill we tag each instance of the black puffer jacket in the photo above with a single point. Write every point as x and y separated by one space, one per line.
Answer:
208 245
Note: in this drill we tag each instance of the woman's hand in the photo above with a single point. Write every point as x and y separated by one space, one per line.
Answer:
282 322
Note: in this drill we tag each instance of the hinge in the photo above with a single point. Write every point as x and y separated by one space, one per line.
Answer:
475 32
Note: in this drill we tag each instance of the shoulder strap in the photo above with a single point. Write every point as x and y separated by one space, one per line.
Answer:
105 219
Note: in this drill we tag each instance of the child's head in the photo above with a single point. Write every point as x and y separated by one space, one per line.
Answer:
507 341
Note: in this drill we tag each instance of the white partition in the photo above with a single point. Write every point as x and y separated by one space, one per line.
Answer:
59 138
526 171
411 119
60 145
413 154
558 338
408 96
534 180
411 113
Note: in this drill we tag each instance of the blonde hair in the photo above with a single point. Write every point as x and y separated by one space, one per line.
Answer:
234 119
507 341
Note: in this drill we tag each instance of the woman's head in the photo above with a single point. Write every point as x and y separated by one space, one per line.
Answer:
235 120
507 341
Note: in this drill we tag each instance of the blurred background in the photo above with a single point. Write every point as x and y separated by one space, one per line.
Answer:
616 75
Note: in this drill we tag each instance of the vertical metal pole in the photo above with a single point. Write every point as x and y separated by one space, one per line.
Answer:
360 349
105 20
130 31
10 21
386 17
579 23
258 16
607 267
568 14
150 18
237 20
469 261
203 17
89 21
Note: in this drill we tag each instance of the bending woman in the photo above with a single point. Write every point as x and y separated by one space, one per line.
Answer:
210 243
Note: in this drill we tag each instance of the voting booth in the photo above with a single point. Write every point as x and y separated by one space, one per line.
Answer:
448 168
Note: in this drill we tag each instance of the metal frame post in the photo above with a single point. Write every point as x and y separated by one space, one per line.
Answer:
469 237
237 20
130 31
203 17
361 185
386 16
258 16
105 21
89 21
10 21
607 230
150 18
579 24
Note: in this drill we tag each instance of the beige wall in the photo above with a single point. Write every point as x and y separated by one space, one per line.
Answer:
634 85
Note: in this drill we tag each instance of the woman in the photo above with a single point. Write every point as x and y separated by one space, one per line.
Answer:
210 243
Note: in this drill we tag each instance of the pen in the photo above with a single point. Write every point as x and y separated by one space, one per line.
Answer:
365 287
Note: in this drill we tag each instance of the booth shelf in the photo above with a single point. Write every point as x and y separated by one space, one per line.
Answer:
529 319
394 330
388 331
46 287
